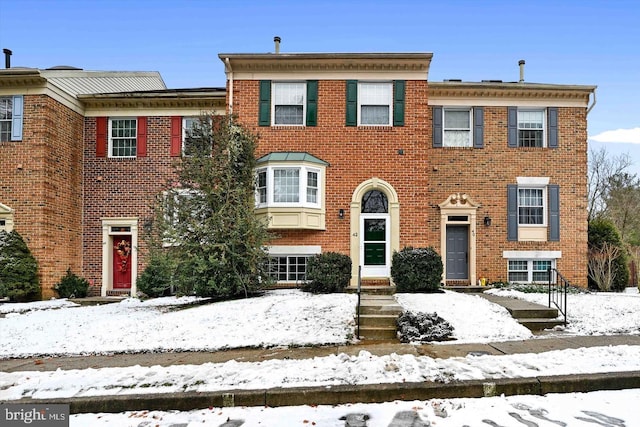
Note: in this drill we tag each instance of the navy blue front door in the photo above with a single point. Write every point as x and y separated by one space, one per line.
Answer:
457 252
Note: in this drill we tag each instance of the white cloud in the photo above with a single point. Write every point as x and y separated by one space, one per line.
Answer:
628 136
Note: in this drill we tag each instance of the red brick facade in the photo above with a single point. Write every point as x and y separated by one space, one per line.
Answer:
64 196
41 180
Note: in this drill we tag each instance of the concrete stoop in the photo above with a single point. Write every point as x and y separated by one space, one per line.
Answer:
535 317
344 394
378 316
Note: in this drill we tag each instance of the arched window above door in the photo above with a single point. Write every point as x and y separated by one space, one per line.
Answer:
375 201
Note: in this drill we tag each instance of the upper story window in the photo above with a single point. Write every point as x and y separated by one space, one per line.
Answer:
375 103
289 103
11 118
457 127
532 127
122 137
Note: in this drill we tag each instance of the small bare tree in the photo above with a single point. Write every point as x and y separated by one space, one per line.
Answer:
602 265
602 169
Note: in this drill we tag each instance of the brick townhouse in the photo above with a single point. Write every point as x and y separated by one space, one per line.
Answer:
358 153
361 154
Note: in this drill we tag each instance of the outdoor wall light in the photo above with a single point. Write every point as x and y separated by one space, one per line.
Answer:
487 221
341 213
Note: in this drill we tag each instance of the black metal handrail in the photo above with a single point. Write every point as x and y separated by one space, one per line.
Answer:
558 292
358 292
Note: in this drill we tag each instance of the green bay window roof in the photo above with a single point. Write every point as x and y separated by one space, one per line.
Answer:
290 156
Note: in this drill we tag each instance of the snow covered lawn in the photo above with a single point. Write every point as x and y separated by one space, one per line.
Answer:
280 318
597 313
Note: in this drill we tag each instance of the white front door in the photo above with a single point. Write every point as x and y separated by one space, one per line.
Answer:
375 244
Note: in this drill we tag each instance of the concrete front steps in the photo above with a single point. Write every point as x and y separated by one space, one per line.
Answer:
536 317
378 315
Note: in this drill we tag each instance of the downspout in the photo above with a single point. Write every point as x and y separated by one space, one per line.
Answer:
229 72
593 103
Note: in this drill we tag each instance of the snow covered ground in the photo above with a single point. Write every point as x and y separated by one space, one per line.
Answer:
293 318
602 408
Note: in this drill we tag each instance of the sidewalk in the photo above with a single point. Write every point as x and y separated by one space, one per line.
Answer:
333 395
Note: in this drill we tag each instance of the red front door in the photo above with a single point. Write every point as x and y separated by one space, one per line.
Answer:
121 262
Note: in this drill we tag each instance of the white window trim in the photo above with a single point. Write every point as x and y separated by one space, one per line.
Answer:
273 103
545 204
390 103
302 186
544 125
110 138
294 249
470 129
538 255
185 130
529 268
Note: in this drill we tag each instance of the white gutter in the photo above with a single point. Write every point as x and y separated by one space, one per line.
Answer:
229 72
594 102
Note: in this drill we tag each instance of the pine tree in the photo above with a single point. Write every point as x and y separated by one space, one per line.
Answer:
205 220
18 269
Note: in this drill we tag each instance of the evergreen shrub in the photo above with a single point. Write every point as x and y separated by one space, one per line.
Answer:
416 270
328 272
155 280
18 269
72 286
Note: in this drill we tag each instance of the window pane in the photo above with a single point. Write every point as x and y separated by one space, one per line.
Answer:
456 138
530 125
261 187
123 137
456 119
374 93
288 93
530 206
6 111
374 101
374 201
288 101
374 115
288 115
312 187
286 187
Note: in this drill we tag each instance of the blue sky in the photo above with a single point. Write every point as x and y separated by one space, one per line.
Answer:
562 41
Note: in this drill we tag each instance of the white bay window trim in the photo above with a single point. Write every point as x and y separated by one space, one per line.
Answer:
288 186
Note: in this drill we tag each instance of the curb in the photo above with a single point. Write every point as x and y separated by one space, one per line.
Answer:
342 394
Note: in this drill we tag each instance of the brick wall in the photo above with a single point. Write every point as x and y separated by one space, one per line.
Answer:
40 179
121 188
357 154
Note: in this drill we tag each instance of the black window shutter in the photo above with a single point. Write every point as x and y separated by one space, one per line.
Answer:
398 102
264 114
352 103
552 126
312 102
512 212
554 212
512 126
437 127
478 127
